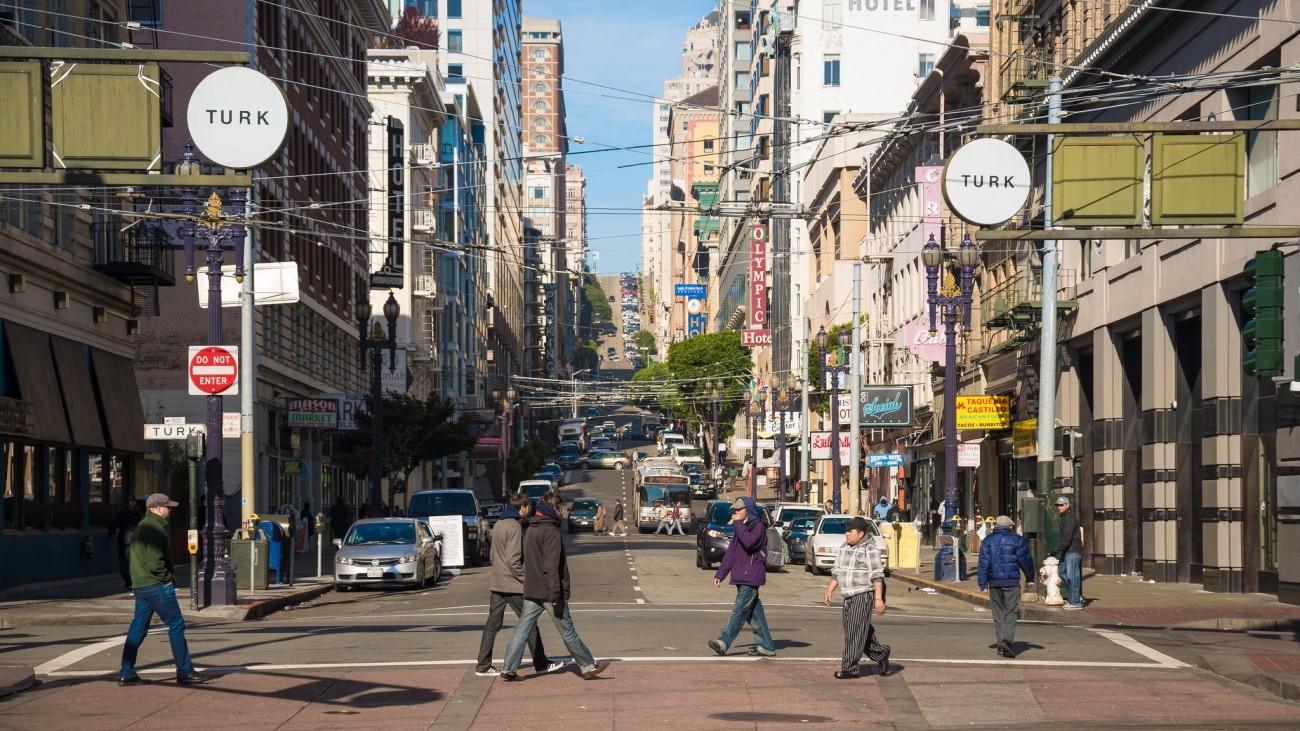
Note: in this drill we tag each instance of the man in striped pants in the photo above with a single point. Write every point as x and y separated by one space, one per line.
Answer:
859 573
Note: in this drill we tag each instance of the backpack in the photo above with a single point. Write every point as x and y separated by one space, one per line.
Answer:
776 550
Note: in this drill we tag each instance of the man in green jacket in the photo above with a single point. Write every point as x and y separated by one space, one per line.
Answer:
155 592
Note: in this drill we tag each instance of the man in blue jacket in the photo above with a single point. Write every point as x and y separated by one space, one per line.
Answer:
746 562
1004 555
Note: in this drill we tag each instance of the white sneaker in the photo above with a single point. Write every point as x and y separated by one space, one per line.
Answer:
489 673
1074 606
555 665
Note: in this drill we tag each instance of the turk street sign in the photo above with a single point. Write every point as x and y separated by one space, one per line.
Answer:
986 182
238 118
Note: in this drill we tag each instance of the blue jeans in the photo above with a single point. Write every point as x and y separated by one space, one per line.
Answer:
748 608
1072 577
563 624
158 599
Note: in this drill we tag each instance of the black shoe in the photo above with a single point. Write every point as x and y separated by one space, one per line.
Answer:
597 670
884 662
195 679
133 680
845 675
510 677
1005 650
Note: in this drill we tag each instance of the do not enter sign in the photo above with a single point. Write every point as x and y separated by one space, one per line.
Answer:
214 370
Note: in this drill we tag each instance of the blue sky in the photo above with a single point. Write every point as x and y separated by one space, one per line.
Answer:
629 47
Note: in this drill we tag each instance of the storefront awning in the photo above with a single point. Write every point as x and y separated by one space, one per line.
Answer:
119 395
38 383
78 393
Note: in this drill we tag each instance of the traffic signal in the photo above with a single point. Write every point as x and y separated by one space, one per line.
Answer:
1262 306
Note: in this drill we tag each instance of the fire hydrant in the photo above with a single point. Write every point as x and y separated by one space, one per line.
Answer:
1051 580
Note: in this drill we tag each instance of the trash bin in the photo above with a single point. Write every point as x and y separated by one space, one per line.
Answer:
239 554
278 543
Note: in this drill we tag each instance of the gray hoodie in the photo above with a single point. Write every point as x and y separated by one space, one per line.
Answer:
508 553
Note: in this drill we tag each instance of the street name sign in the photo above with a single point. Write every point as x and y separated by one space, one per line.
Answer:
238 118
986 182
214 370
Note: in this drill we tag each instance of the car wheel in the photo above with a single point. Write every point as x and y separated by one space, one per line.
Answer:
437 571
570 529
620 466
584 466
807 569
699 560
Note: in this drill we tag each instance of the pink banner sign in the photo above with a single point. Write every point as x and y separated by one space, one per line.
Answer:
755 338
916 338
758 276
930 178
820 443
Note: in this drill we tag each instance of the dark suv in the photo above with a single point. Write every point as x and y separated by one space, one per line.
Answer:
456 502
715 532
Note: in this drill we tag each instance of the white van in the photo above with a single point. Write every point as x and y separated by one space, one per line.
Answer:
573 430
684 454
669 439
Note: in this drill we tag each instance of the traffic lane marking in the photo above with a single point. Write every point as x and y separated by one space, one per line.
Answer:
1133 645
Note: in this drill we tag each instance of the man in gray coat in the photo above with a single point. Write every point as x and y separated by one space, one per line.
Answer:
507 587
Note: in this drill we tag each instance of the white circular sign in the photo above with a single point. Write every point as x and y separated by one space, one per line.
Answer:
693 306
238 118
986 182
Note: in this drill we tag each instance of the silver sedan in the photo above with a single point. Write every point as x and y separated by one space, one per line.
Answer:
387 552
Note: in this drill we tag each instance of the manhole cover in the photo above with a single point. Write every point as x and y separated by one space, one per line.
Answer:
756 717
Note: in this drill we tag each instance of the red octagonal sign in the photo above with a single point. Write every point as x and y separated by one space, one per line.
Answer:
214 370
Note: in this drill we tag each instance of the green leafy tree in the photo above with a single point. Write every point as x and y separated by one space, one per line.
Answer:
586 357
600 310
415 431
652 388
645 342
696 362
524 462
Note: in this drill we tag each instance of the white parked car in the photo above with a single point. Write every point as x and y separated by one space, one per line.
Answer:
387 552
828 535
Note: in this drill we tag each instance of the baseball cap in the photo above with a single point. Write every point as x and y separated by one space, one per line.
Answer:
1063 500
857 523
738 504
159 500
1005 522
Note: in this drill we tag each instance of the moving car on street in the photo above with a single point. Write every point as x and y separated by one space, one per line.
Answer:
582 514
828 535
604 459
456 502
387 552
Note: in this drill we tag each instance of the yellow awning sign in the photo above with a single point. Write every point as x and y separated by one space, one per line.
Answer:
983 412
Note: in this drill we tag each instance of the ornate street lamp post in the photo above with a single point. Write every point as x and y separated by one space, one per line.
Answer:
375 342
715 395
757 398
949 301
782 401
217 230
823 340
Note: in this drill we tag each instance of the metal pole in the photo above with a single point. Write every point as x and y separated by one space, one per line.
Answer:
1047 346
950 413
835 439
805 438
782 405
855 395
247 386
377 426
194 525
753 452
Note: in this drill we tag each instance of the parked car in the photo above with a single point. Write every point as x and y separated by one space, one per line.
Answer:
387 552
582 514
490 510
714 533
604 459
567 456
554 469
826 538
701 485
535 488
796 534
455 502
602 443
549 477
786 512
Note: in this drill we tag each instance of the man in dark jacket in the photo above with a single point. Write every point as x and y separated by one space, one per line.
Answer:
155 592
340 518
746 562
1004 555
124 523
546 581
507 586
1069 551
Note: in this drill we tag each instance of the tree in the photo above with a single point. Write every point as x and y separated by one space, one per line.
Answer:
695 362
415 431
412 29
524 462
587 357
819 399
645 342
600 309
651 388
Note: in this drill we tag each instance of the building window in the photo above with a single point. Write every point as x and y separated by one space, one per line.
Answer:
828 116
831 17
455 41
541 105
744 52
427 8
540 139
1261 147
708 169
539 191
541 54
541 123
924 64
831 71
455 70
742 79
742 109
540 88
453 8
708 144
982 17
925 9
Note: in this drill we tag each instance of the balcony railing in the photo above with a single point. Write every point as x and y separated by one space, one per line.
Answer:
1017 302
138 255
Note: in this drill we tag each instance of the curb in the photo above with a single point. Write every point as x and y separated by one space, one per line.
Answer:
264 607
1028 610
244 612
14 679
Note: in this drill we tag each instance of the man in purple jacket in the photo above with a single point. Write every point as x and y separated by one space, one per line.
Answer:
745 560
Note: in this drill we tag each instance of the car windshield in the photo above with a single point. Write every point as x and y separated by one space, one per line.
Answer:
790 515
722 513
666 493
802 523
440 503
375 534
551 469
583 505
834 526
688 451
536 490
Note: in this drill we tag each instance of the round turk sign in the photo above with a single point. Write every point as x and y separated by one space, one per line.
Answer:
214 370
238 117
986 182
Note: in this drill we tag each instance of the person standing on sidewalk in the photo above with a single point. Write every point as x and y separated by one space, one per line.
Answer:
859 573
1069 551
746 562
155 593
1004 555
619 528
507 587
546 581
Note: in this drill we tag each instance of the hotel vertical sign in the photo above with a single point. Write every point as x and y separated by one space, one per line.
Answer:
758 333
389 275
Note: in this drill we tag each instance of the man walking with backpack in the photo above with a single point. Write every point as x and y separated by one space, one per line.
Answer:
746 562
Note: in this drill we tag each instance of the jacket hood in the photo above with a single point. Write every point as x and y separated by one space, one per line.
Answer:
510 511
751 508
546 510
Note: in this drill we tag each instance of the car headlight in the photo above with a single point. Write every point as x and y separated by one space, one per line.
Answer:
406 559
343 560
794 539
473 530
825 549
715 533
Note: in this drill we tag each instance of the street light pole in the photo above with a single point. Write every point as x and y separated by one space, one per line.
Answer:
949 301
715 395
782 402
823 341
375 343
758 397
220 231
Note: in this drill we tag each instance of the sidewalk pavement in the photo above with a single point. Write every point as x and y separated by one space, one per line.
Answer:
100 600
1250 638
